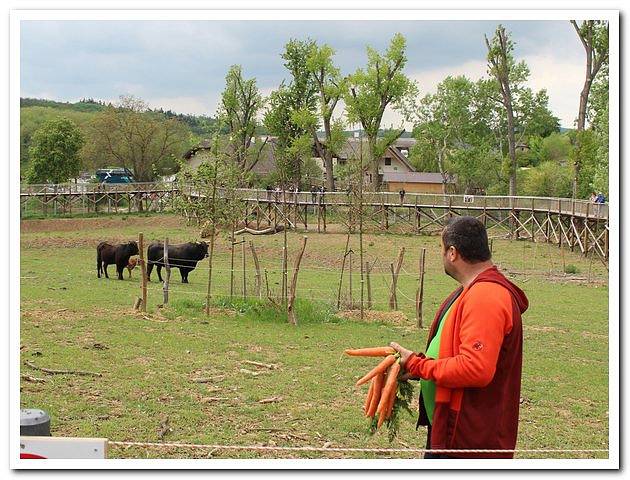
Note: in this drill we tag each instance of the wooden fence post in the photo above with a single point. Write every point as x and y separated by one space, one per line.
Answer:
420 292
143 269
210 260
167 276
296 270
244 269
267 284
564 265
392 293
590 264
232 263
350 279
343 266
257 267
369 285
393 301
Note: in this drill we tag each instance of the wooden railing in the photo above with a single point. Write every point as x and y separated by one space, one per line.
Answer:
94 188
565 206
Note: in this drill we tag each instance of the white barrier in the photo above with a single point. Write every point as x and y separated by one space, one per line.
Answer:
62 447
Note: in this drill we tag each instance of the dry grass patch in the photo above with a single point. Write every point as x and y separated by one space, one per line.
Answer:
376 316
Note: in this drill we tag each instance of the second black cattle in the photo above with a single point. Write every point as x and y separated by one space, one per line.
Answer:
183 256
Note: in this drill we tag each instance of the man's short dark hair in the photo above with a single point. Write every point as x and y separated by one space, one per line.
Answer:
468 235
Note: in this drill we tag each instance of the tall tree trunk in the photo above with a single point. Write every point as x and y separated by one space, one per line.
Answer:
373 162
330 179
581 124
511 141
441 166
328 163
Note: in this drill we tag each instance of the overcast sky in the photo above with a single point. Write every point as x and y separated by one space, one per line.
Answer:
181 65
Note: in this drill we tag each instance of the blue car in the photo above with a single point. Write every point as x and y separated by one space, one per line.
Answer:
115 175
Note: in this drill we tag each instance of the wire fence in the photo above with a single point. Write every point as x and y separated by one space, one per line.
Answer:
349 450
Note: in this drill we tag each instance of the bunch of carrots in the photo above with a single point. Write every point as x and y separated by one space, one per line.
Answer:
383 380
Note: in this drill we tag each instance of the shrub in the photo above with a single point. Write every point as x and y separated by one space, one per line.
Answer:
572 269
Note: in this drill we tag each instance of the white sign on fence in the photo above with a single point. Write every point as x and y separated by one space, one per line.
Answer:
469 199
62 447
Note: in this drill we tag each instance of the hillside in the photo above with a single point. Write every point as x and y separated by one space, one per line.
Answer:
34 112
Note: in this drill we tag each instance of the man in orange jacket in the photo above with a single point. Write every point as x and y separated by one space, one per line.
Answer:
470 373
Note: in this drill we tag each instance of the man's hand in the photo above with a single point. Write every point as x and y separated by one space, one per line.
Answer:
404 353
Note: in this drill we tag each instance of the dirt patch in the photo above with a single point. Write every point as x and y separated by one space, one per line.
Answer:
375 316
61 242
74 224
555 277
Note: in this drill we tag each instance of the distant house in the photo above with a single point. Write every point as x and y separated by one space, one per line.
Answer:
417 182
265 164
394 169
393 160
196 155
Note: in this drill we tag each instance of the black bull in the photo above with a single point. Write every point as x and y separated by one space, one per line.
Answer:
107 254
183 256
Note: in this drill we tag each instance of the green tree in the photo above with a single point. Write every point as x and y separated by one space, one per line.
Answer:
549 179
371 90
537 119
131 136
290 116
586 148
444 125
509 77
241 102
34 116
598 119
594 37
555 147
330 88
508 113
54 152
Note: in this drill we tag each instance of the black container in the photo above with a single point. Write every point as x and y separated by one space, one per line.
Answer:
34 422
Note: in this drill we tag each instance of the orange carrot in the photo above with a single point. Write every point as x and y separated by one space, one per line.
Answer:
380 368
392 394
386 395
381 415
368 397
371 352
378 380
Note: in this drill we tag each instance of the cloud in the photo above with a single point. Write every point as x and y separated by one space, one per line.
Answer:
428 80
185 62
186 105
563 80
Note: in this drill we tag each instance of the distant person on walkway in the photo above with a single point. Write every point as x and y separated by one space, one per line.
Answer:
600 198
402 195
470 373
593 198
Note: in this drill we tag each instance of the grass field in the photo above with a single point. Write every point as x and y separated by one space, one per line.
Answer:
74 321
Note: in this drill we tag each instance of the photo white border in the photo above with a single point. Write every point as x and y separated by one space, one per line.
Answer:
17 15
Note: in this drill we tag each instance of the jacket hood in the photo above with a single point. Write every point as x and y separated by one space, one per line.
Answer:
493 275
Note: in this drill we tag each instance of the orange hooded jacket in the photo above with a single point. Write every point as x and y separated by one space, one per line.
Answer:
478 371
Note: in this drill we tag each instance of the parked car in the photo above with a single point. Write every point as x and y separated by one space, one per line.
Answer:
115 175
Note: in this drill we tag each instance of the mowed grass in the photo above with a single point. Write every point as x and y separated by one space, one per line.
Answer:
71 320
